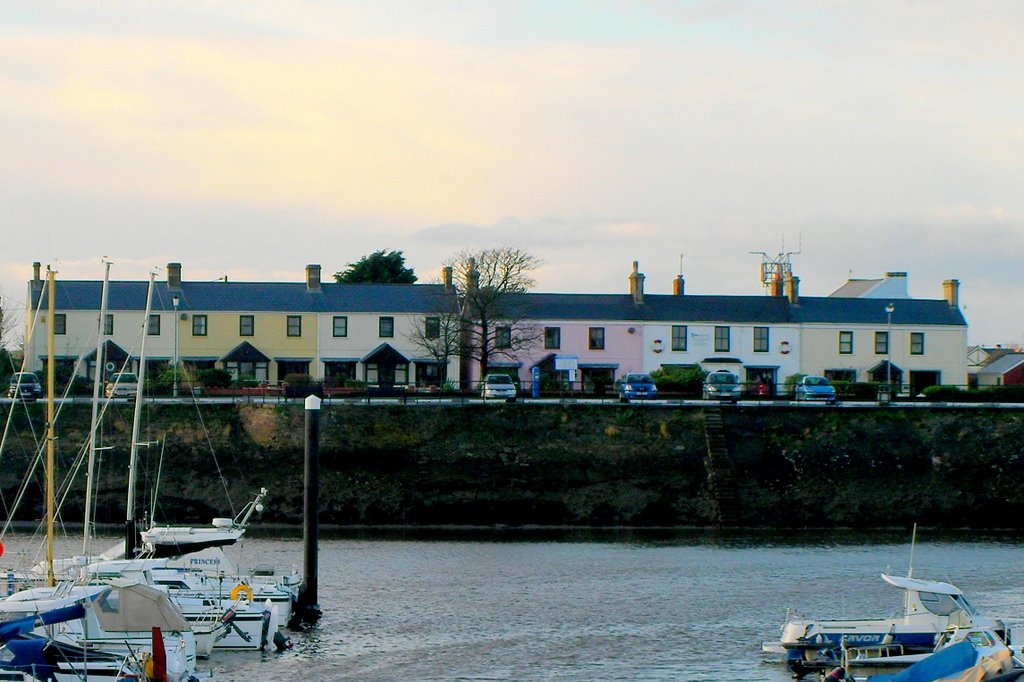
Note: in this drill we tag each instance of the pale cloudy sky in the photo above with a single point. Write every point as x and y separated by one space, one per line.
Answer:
250 138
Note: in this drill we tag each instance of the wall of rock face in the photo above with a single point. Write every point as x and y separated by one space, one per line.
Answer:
573 464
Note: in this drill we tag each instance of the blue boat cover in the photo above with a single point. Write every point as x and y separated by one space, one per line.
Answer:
20 626
942 663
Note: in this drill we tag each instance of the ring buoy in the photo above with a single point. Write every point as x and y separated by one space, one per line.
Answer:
238 589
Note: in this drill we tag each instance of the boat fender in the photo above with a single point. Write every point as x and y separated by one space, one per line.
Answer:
238 589
836 675
265 634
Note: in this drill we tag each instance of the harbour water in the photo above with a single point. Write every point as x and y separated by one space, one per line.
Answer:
595 605
511 605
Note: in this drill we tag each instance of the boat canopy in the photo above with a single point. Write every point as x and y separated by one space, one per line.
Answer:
133 607
917 585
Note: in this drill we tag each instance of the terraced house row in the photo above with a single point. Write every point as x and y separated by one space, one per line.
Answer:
867 330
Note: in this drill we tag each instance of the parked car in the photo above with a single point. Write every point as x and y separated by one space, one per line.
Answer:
498 386
122 385
26 386
722 385
637 386
815 388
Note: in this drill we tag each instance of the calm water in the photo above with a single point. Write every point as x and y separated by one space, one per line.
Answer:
609 606
596 606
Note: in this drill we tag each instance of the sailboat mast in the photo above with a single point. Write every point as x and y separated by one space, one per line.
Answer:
97 376
131 533
51 383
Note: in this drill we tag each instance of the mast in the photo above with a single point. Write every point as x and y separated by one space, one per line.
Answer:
51 373
131 537
90 471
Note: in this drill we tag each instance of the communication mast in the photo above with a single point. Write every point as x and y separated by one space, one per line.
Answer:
776 269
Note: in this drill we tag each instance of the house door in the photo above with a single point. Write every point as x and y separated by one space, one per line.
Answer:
920 380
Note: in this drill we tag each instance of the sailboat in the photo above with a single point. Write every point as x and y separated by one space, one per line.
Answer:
126 618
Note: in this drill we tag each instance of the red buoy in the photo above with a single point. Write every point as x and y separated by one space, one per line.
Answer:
1 548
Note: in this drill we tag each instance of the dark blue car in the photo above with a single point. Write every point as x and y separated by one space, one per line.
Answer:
637 386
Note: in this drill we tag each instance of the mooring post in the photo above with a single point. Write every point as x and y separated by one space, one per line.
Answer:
307 609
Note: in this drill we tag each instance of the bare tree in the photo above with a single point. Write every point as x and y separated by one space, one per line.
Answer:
489 286
440 336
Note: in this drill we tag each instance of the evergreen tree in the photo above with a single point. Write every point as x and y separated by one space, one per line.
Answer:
380 267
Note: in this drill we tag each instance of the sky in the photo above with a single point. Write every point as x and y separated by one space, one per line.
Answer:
251 138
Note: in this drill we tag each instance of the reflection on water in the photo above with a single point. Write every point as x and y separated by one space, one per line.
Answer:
597 604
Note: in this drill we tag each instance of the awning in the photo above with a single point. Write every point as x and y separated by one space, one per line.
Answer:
339 359
293 359
200 358
880 368
111 353
549 358
761 366
245 352
503 363
426 361
385 354
599 365
722 361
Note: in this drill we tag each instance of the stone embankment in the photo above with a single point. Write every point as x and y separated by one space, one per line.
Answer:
637 465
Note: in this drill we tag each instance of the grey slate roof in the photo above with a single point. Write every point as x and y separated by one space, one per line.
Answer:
253 297
1003 364
738 309
428 298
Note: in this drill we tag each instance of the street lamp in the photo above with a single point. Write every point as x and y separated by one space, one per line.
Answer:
174 303
889 309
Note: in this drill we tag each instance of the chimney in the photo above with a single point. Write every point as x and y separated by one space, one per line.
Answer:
313 277
35 271
793 289
636 284
473 276
446 278
174 275
678 285
951 292
776 286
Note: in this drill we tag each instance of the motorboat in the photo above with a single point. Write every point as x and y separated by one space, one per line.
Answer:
974 646
930 608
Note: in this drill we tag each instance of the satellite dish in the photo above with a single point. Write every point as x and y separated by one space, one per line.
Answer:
184 316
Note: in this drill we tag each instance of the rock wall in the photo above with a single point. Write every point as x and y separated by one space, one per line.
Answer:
576 464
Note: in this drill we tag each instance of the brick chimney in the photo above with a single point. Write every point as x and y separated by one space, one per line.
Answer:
951 292
174 275
678 285
313 277
473 276
636 284
35 271
793 289
446 279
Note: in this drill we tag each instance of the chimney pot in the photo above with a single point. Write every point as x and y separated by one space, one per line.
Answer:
446 278
313 277
174 275
35 271
678 285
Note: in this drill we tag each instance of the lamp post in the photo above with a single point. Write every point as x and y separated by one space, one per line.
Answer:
174 303
889 309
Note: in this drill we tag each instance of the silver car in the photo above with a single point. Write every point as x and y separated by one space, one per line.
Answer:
498 386
122 385
722 385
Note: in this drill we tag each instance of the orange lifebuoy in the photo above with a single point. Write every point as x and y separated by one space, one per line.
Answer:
238 589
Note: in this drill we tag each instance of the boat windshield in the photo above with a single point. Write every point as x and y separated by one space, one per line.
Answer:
945 604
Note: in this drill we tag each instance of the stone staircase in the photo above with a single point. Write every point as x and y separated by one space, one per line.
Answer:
721 483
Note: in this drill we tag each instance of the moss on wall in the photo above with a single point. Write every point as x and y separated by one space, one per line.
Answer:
555 464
